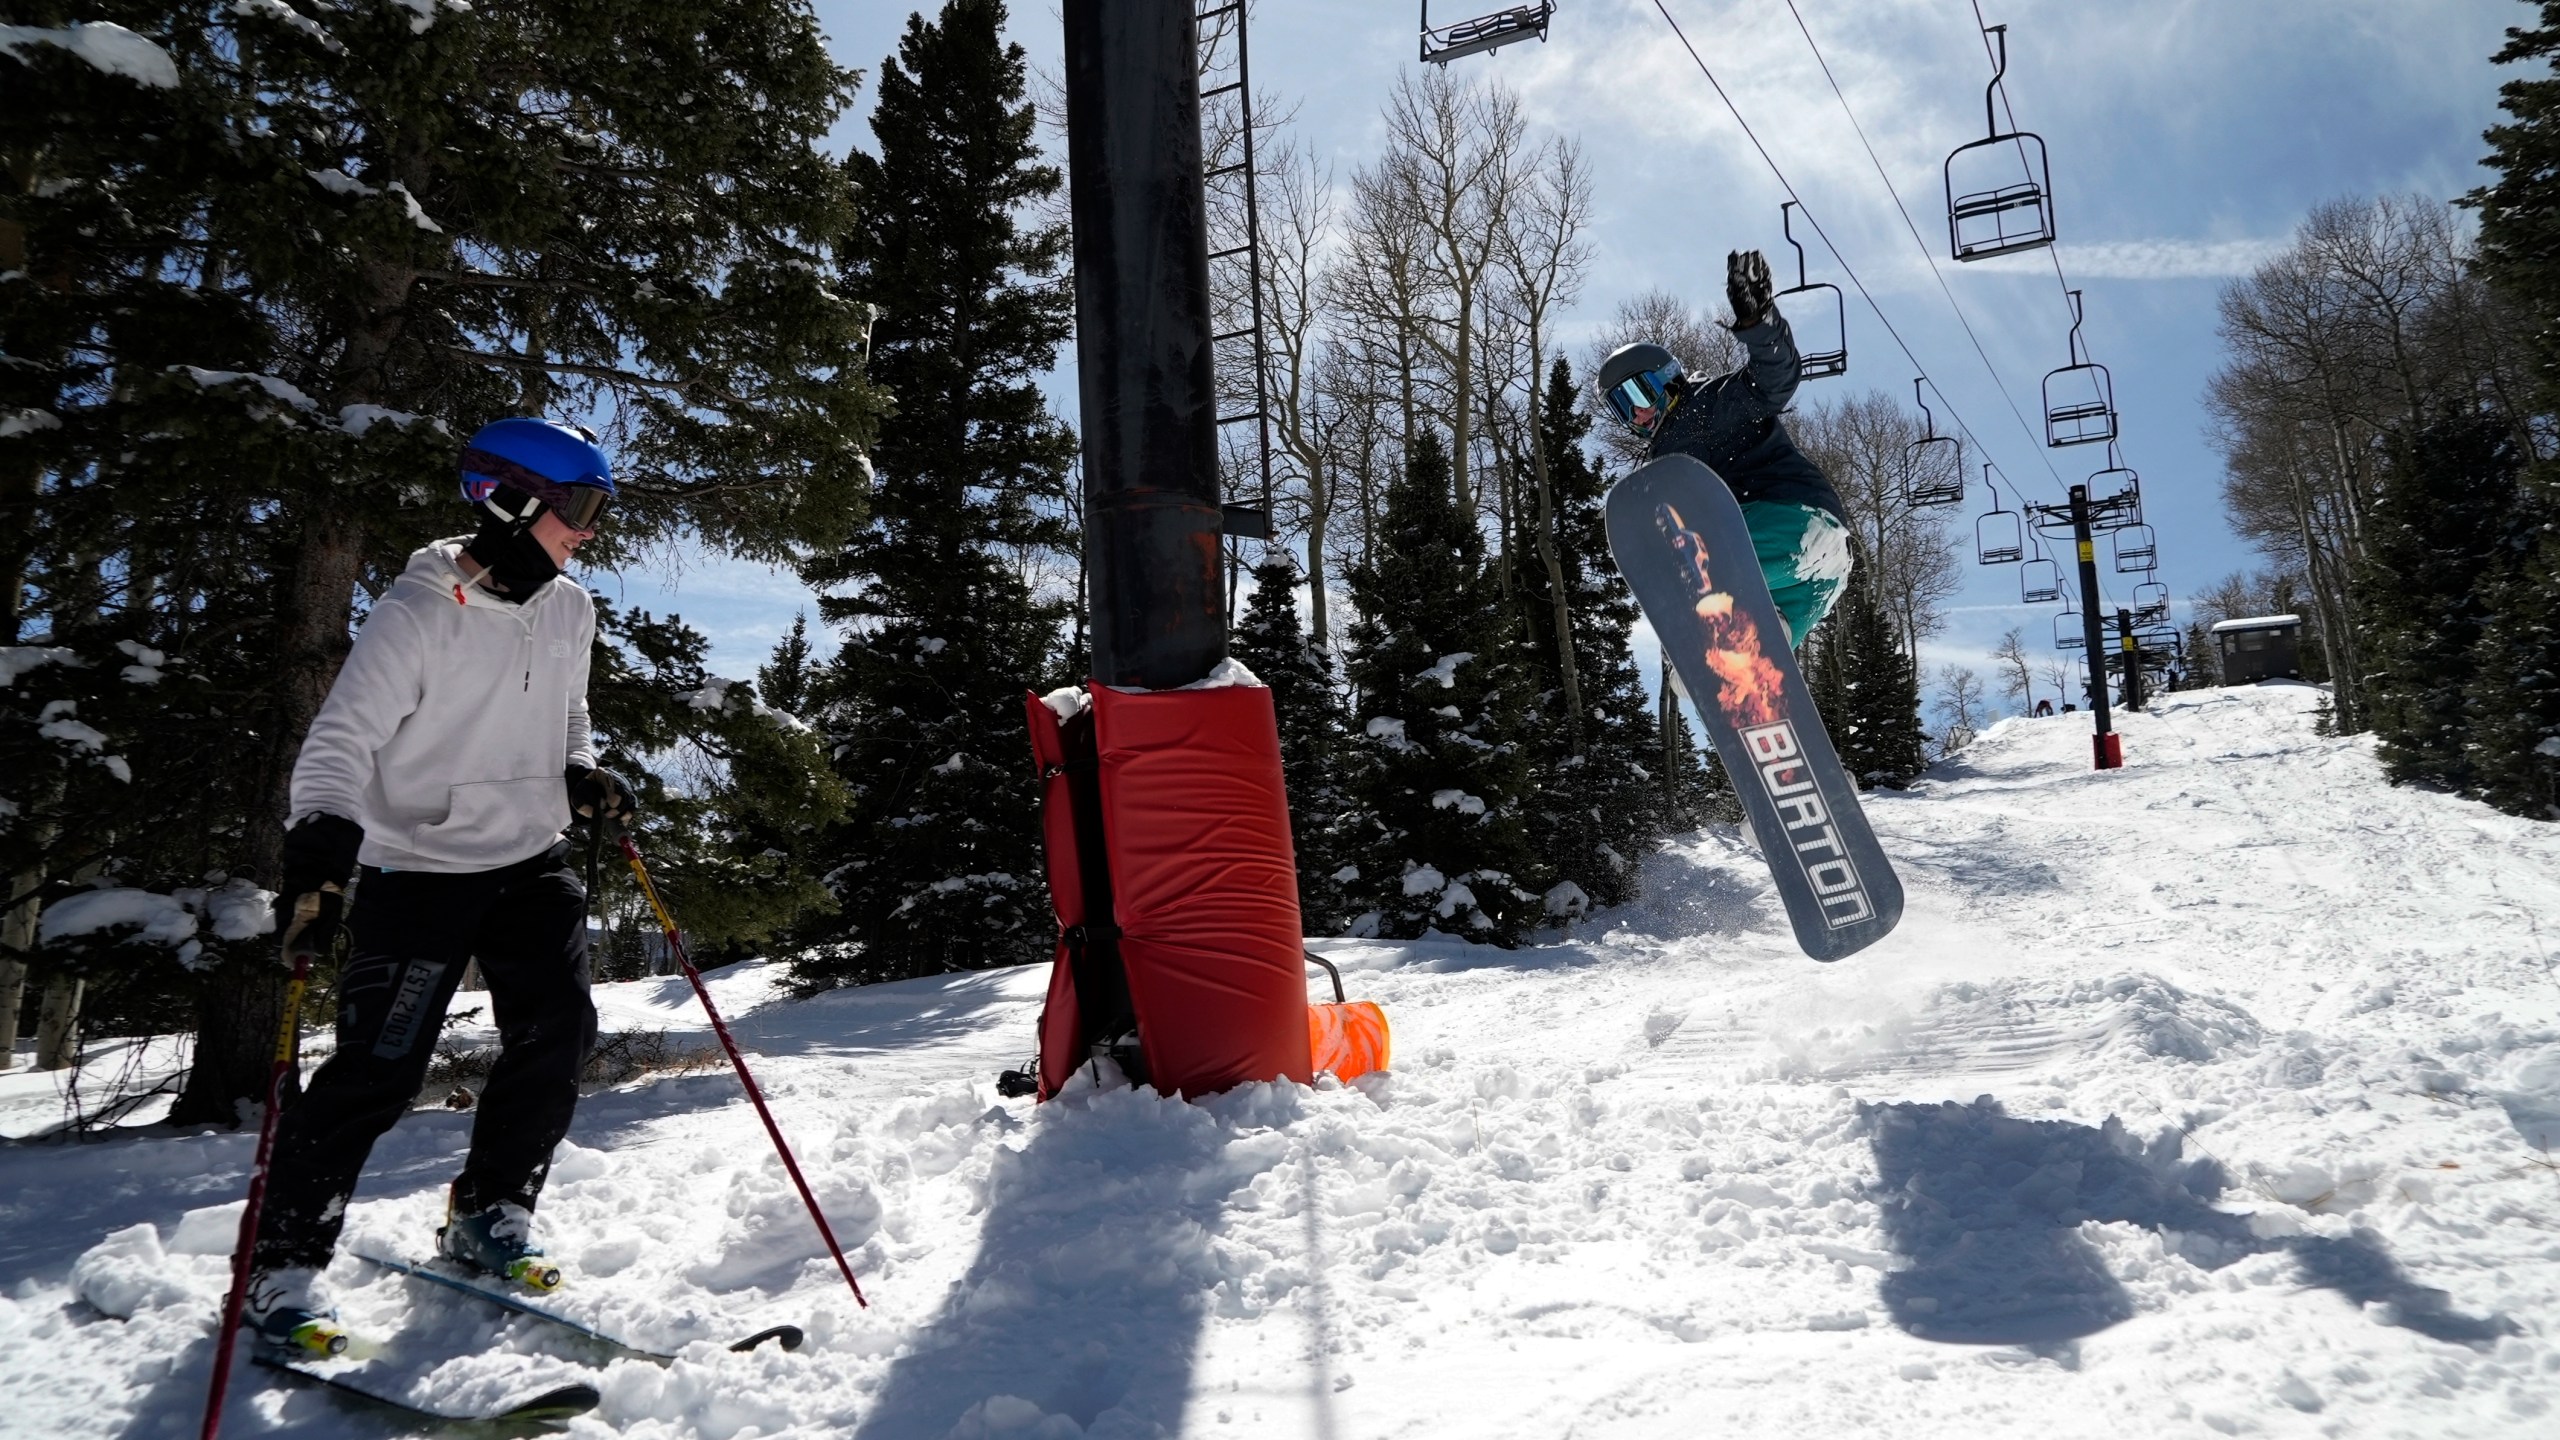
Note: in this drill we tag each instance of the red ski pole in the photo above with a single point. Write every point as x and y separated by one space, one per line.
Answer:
675 947
307 910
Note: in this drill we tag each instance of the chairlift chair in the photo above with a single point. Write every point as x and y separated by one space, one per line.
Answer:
2135 550
2150 599
1998 537
2084 410
1933 465
1445 43
1815 363
2068 633
2039 581
2118 481
2005 218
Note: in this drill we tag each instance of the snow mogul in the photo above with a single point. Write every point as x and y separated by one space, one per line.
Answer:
1798 528
444 768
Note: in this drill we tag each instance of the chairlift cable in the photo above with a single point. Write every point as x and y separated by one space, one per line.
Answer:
1943 288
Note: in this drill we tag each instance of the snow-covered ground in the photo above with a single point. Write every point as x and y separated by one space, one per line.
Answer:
2214 1095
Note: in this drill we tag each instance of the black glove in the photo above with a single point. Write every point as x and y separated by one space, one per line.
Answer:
603 796
319 861
1748 288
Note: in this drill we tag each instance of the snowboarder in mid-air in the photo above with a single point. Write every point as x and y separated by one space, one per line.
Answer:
1732 423
447 761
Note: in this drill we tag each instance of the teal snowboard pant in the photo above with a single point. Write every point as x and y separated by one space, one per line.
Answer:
1804 554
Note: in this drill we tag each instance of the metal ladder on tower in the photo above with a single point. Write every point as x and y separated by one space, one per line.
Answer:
1227 183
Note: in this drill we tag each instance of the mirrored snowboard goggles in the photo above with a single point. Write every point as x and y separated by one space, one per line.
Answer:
579 506
1639 399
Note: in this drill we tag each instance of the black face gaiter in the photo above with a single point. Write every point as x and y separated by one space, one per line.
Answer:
516 562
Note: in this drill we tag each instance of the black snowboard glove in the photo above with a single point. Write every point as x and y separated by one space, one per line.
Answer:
603 796
319 861
1748 288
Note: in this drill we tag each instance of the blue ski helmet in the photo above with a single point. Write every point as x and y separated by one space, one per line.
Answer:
514 469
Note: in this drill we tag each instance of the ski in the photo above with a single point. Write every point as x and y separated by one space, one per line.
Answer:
560 1403
787 1336
1680 539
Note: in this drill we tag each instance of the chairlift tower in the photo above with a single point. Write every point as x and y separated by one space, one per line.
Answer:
2081 519
1235 267
1146 388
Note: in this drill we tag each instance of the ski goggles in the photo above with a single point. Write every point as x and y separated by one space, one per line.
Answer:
580 504
1640 400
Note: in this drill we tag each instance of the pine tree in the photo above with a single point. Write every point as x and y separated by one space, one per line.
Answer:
2514 698
1441 775
1693 788
1272 643
939 867
1863 672
269 267
2437 539
784 680
1595 809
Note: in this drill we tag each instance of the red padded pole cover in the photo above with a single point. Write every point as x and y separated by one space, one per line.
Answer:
1061 1026
1205 884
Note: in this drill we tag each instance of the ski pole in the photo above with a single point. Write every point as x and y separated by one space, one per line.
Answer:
675 947
306 910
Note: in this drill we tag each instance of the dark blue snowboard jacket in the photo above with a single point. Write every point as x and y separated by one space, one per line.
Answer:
1731 423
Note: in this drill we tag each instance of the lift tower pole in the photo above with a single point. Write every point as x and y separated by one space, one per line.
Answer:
1147 395
2109 749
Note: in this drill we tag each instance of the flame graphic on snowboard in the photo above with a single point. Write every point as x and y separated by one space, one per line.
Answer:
1753 691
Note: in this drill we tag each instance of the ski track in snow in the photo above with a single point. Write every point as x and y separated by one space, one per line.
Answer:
2211 1096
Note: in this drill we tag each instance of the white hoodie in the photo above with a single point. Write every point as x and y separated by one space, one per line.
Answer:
449 729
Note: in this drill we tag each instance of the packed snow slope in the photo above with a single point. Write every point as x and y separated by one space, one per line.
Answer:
2213 1095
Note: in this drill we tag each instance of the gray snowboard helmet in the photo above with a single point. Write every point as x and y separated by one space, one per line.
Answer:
1637 380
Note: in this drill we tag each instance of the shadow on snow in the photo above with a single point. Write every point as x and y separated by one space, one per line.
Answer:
1987 1210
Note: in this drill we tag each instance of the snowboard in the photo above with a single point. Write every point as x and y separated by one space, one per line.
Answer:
1679 538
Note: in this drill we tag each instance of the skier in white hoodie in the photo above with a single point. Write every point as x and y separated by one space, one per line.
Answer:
446 762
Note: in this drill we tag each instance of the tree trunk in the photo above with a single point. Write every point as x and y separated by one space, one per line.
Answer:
13 986
1319 512
58 1024
240 1005
1561 603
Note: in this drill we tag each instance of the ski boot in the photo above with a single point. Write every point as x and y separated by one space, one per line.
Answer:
290 1320
497 1241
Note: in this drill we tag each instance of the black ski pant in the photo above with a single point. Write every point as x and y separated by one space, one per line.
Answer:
412 933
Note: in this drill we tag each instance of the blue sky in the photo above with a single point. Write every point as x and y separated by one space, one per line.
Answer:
2187 139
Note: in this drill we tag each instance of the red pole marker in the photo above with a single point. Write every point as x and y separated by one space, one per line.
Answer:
675 947
222 1339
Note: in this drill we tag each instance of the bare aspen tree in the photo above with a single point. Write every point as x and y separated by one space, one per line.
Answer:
1455 153
1863 443
2370 320
1543 255
1297 225
2017 676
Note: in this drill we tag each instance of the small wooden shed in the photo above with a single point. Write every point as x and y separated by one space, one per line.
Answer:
2262 647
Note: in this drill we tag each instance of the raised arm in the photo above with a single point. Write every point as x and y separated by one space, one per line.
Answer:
1773 363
